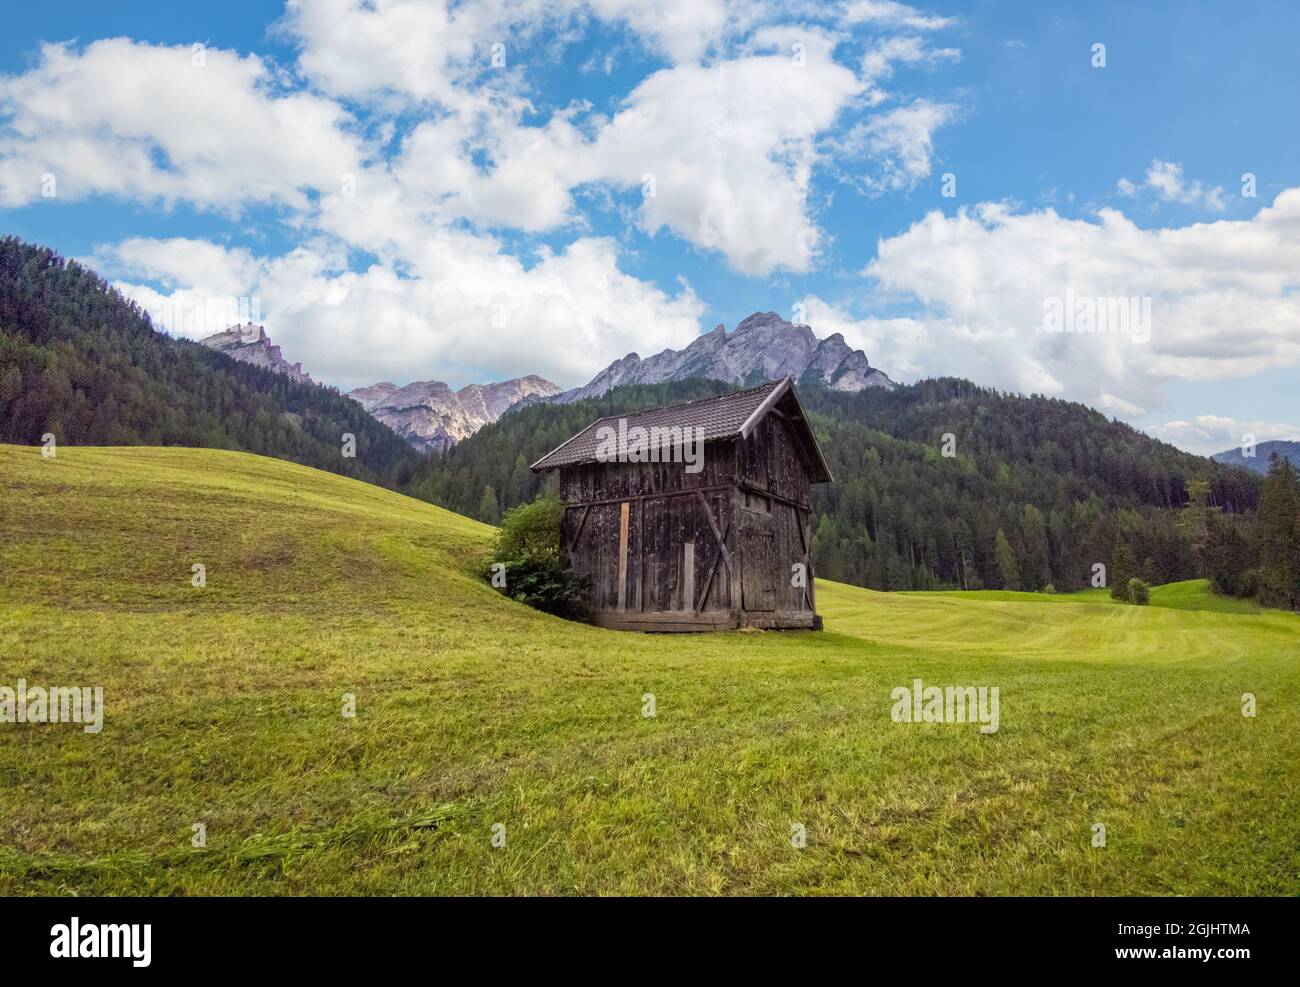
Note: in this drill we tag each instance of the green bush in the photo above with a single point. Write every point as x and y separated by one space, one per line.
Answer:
1247 584
1120 591
525 562
1139 592
531 531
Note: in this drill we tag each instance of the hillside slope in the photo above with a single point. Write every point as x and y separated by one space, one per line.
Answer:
81 363
223 707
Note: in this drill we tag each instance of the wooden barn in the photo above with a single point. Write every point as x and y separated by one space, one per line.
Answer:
695 516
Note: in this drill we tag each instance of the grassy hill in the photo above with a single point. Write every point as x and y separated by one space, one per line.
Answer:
223 707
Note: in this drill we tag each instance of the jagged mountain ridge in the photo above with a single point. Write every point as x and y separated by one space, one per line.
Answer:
763 346
432 417
250 344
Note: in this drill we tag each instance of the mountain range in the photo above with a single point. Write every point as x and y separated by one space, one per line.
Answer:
432 417
1039 490
1258 463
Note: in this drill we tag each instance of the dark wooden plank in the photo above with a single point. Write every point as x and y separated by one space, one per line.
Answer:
640 558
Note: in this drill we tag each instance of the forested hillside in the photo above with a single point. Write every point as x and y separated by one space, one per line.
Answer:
81 363
1035 492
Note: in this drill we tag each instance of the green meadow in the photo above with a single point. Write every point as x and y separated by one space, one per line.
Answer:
223 707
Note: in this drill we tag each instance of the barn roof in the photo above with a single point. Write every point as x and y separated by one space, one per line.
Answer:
724 417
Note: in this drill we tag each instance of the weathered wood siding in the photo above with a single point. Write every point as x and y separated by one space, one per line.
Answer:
665 514
774 520
770 460
647 535
617 481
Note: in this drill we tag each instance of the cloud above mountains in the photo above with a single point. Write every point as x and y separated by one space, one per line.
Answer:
455 211
413 134
1224 301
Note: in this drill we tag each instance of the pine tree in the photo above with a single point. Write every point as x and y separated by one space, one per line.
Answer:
1037 572
11 384
1228 559
1123 567
1008 568
1279 567
489 511
519 490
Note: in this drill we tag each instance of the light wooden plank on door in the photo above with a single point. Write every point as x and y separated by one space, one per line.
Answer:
624 510
688 576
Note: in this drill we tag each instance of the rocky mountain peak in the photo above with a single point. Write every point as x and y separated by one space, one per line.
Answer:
763 345
433 418
250 344
760 320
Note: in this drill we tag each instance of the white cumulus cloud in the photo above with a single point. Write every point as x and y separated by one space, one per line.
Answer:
1224 300
1165 178
165 124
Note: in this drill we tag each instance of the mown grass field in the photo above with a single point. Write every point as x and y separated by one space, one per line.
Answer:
223 707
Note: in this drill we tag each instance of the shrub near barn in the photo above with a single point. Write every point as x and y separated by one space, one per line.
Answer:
525 562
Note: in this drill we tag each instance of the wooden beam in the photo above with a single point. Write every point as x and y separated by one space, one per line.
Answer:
722 541
708 580
581 524
690 491
764 492
622 555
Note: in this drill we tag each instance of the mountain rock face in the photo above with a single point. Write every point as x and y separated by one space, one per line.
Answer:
764 346
433 418
1259 462
251 344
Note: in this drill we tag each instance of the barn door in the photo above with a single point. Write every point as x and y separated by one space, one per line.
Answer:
757 560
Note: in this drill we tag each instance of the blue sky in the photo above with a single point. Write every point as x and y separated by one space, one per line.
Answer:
413 190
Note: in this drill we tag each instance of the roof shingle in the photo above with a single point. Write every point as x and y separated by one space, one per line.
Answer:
720 418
